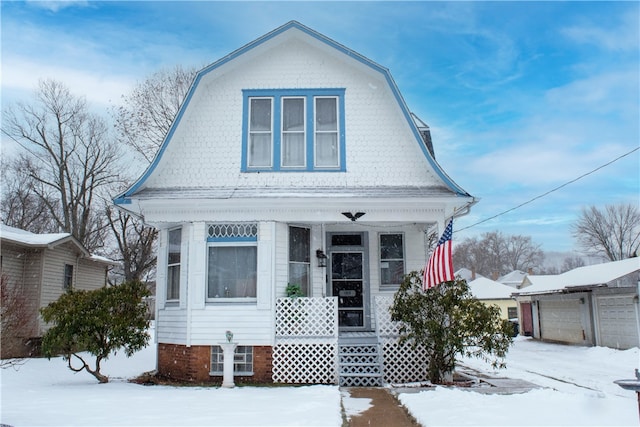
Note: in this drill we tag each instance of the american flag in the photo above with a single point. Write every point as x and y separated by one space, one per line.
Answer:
439 268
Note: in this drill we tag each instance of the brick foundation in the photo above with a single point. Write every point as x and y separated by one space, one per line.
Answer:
182 363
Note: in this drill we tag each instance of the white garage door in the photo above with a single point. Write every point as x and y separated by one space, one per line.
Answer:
617 322
560 321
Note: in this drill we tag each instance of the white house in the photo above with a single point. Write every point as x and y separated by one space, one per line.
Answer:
293 160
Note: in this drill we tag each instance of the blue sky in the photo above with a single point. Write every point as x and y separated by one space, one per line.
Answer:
521 97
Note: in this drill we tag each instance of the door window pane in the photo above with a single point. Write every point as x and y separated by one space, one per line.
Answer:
346 240
346 265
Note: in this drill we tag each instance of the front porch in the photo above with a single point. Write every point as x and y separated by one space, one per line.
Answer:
310 348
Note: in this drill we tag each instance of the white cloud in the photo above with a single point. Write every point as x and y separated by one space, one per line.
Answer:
57 5
21 75
621 35
616 91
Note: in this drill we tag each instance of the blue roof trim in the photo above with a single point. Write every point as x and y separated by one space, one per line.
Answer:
312 33
122 201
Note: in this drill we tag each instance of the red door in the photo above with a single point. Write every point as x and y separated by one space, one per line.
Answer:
527 319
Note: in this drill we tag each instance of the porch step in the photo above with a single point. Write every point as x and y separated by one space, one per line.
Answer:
360 361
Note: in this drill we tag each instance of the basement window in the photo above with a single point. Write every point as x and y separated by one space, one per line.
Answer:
242 360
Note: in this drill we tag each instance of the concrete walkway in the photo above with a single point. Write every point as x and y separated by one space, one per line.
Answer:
386 410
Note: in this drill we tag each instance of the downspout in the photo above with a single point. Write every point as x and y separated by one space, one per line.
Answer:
465 209
186 287
637 306
323 243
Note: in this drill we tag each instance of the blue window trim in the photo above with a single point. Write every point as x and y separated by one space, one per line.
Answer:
276 95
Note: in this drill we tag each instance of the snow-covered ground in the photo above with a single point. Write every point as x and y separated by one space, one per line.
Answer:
578 390
579 381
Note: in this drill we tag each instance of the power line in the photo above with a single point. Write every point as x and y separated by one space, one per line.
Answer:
550 191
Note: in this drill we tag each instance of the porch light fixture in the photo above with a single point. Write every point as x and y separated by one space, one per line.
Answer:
353 217
322 258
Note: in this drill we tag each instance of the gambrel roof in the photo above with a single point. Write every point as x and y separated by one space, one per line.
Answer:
293 29
384 165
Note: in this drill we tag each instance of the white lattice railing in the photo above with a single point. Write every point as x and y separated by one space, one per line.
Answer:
307 317
306 342
402 364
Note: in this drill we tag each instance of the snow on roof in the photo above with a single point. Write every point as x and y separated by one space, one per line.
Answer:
466 274
484 288
28 238
590 275
513 279
105 260
542 283
599 274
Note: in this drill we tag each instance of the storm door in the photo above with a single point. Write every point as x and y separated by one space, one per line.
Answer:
348 279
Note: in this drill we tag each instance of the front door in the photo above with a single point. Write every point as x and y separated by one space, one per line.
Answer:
348 279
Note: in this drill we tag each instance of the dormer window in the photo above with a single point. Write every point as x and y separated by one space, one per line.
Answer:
293 130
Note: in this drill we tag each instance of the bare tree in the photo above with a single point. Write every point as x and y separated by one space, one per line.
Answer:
142 122
21 207
135 245
521 253
495 254
147 113
69 157
570 263
469 254
14 319
613 231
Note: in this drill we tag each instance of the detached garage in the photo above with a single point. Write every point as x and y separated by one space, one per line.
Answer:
565 318
592 305
616 310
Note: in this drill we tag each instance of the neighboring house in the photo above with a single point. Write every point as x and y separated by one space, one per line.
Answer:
42 267
515 279
491 292
591 305
468 275
293 160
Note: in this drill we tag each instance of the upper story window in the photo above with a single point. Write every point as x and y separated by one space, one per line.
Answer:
293 130
173 264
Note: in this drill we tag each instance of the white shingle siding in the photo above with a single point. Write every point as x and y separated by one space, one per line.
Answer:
205 149
198 179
